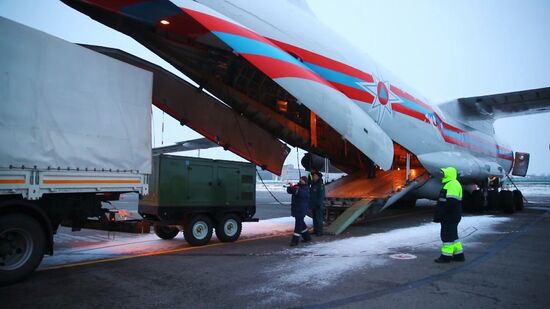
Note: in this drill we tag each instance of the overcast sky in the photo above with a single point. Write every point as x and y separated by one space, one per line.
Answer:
444 49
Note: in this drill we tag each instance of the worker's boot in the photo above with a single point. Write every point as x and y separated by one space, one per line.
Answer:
305 236
443 259
294 241
459 257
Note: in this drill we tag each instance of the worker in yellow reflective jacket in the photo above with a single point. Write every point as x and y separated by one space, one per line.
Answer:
449 213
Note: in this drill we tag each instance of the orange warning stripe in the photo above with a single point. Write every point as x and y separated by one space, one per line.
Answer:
90 181
12 181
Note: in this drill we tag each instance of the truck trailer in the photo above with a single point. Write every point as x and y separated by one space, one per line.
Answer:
75 131
197 195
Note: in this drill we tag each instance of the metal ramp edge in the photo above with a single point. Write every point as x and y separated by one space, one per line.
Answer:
358 208
416 183
348 217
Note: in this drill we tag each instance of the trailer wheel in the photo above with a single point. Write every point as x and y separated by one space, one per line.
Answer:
518 200
22 244
165 231
506 200
198 230
229 228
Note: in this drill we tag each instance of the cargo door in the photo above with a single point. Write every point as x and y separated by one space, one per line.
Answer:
521 164
200 184
228 185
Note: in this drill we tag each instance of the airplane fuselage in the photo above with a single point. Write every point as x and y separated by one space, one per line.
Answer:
285 51
408 118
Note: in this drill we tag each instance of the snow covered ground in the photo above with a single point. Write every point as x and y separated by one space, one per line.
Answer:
533 189
326 260
367 251
75 248
324 263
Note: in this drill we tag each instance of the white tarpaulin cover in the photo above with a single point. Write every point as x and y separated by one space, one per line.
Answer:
62 105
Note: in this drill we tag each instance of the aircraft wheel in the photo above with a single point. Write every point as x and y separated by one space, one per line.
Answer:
477 201
411 203
518 200
492 199
165 231
466 201
229 228
506 201
198 230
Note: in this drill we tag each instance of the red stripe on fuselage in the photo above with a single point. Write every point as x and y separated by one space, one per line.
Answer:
409 97
323 61
400 108
217 24
354 93
275 68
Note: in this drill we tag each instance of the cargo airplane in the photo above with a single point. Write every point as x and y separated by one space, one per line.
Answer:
275 66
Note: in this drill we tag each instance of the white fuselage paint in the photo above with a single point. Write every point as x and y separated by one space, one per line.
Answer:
283 21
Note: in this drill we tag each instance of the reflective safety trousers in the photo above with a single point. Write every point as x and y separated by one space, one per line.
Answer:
451 248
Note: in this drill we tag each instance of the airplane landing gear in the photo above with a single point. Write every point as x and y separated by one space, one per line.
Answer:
492 197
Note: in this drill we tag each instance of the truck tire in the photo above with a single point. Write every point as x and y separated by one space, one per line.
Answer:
506 201
165 231
518 200
229 228
198 230
22 243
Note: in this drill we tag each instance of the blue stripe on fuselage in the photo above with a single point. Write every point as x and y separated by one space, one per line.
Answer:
244 45
335 76
414 106
484 146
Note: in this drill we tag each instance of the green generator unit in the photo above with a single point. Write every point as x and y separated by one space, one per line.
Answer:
198 196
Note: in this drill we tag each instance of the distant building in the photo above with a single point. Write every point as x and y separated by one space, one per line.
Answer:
291 174
265 175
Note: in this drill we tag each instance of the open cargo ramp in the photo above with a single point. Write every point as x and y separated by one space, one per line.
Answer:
355 195
219 123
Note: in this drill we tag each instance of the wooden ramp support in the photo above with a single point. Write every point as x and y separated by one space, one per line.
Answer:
348 217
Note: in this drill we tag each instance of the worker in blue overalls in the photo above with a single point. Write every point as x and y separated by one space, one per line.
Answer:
299 205
317 202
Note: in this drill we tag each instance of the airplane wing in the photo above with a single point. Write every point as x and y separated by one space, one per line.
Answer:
201 24
195 144
502 105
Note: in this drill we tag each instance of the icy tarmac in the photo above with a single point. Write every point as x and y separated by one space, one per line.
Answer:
385 263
